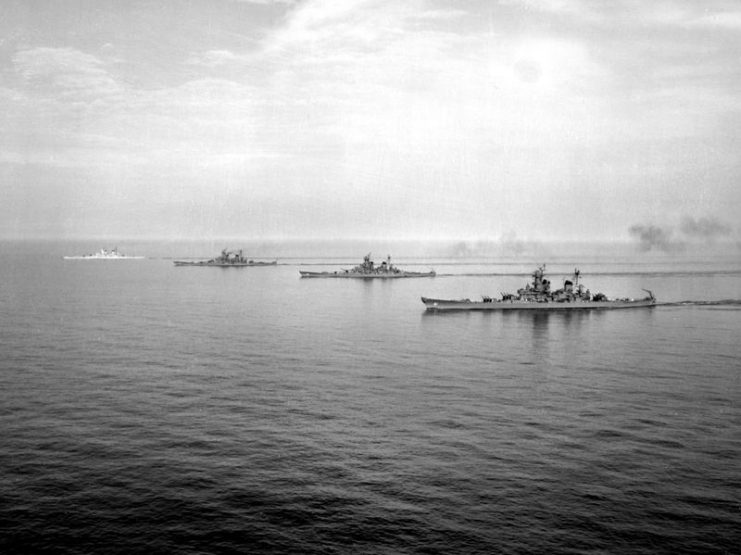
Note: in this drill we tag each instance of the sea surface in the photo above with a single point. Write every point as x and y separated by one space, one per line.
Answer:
146 408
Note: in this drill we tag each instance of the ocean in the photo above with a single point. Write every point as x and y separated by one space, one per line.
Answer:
151 408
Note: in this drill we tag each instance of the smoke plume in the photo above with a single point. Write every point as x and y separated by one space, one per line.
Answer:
707 229
696 231
653 237
508 244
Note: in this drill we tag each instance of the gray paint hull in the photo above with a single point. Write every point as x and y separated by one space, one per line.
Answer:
352 275
103 257
219 265
435 305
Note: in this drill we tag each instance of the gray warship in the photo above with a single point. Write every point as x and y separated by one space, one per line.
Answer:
369 270
104 254
538 296
228 259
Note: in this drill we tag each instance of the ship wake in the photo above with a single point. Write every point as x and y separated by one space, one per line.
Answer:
721 303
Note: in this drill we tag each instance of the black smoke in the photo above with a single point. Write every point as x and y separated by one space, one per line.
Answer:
510 244
507 245
707 229
703 230
652 237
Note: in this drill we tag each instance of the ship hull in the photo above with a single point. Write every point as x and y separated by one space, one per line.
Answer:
357 275
436 305
224 265
103 257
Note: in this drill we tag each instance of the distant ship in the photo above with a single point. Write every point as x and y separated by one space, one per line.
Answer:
104 254
538 296
368 270
228 259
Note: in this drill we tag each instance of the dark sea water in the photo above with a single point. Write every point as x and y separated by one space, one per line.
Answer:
148 408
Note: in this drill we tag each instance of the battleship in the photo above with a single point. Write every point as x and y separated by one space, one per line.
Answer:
104 254
369 270
228 259
538 296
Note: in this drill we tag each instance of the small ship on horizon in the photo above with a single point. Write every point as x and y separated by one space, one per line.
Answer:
228 259
104 254
369 270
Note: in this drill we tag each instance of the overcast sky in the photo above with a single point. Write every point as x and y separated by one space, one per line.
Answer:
560 119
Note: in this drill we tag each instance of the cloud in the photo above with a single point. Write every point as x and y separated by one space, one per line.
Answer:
706 229
656 15
730 20
569 7
443 14
418 109
264 2
205 122
653 237
213 58
64 71
395 73
693 16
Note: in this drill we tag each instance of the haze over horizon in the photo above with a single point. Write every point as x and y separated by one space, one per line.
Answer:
513 120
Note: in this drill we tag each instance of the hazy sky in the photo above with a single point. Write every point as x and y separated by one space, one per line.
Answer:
532 119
